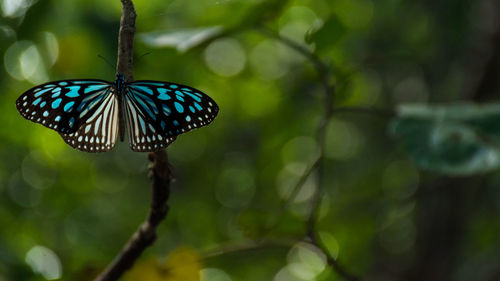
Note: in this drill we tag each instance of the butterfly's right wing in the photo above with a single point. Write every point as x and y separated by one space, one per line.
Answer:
84 112
157 112
144 136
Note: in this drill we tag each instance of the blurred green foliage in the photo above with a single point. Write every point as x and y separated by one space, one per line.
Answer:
459 139
65 214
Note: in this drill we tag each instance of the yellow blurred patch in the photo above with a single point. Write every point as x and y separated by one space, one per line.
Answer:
182 264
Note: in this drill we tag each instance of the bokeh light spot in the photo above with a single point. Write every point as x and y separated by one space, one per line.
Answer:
344 141
262 98
37 171
354 14
45 262
22 61
299 13
235 187
225 57
400 179
306 261
288 178
52 47
269 60
411 90
300 149
15 8
21 193
29 59
214 274
11 58
286 274
330 242
366 88
399 236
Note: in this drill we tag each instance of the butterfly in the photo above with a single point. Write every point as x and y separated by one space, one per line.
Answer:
90 114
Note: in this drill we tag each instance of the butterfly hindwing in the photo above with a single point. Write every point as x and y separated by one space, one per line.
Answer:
99 131
159 111
143 135
62 105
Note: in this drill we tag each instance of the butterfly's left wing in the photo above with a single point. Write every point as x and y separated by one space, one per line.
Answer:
84 112
157 112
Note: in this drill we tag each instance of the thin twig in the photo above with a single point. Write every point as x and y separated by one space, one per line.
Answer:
232 248
324 72
159 170
312 57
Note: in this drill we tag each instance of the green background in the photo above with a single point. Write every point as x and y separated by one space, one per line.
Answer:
386 214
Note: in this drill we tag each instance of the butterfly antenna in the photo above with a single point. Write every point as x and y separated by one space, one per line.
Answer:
104 59
143 55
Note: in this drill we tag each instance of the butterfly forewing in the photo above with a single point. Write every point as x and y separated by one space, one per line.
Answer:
62 105
159 111
100 130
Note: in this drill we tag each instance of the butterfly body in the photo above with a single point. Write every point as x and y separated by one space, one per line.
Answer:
90 114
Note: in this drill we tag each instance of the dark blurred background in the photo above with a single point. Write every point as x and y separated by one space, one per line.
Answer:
64 214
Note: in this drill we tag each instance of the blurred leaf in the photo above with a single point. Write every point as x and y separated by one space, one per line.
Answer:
327 35
182 40
186 39
183 264
460 139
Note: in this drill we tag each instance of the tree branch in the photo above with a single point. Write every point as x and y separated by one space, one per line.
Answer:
160 174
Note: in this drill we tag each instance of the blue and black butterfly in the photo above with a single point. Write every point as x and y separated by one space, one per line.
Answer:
91 114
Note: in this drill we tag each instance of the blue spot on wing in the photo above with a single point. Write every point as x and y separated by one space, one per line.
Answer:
166 110
163 95
94 88
42 92
197 106
73 91
142 100
179 98
69 106
37 101
56 92
178 107
56 103
71 122
143 125
196 98
144 89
